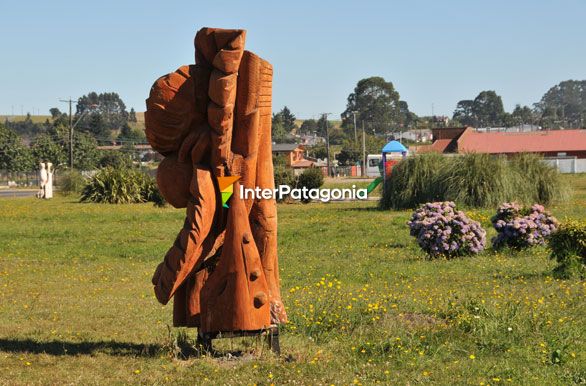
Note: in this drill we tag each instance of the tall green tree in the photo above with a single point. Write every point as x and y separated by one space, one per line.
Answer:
376 101
59 118
101 113
279 133
564 105
484 111
350 154
309 126
464 113
85 152
132 115
522 115
45 148
288 119
14 155
127 134
488 108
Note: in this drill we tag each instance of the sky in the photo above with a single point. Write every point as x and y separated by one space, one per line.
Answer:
434 52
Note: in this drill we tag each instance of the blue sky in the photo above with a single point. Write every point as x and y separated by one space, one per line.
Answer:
435 52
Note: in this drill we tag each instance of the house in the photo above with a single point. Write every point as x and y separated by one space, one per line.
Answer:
548 143
294 155
292 152
423 135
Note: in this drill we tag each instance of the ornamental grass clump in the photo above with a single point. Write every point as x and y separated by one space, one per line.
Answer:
520 228
415 180
473 180
442 231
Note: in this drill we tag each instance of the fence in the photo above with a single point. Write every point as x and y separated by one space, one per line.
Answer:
21 179
27 179
568 165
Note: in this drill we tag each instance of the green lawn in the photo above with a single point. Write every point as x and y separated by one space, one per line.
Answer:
77 306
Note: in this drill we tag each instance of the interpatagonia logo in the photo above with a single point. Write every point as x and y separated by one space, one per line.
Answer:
226 185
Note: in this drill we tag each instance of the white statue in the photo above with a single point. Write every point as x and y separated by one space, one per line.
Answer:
43 177
49 184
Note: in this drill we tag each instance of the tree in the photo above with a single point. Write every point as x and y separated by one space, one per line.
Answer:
321 126
132 115
46 149
376 101
14 155
485 110
408 118
464 113
309 126
288 119
522 115
279 133
85 152
59 118
564 105
350 154
104 112
127 134
488 109
318 152
55 112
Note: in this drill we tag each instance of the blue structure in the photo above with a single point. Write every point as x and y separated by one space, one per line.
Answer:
392 147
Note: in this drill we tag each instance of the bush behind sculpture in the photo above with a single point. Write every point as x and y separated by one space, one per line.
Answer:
443 231
311 178
70 182
519 228
121 186
474 180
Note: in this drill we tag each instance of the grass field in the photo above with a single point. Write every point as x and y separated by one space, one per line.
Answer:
365 306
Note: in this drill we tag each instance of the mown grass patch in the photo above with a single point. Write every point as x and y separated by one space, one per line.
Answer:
76 303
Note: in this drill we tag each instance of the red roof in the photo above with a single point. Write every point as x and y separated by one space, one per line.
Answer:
304 163
438 146
530 142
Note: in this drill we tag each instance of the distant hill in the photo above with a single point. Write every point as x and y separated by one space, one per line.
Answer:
20 118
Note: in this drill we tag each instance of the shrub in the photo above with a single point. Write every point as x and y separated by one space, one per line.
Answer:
311 178
121 186
151 192
284 176
568 248
443 231
70 182
115 159
521 228
475 180
482 180
546 182
413 181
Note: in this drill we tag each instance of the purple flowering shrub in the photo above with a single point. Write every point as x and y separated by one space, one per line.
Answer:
521 228
443 231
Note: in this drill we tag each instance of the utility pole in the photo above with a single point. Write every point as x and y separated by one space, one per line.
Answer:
354 113
70 101
325 117
363 151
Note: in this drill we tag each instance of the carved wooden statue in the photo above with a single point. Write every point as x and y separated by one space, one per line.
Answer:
212 123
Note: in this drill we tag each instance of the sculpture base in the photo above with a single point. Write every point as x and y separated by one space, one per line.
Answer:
204 340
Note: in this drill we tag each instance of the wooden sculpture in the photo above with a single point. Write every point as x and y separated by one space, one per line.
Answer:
212 123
